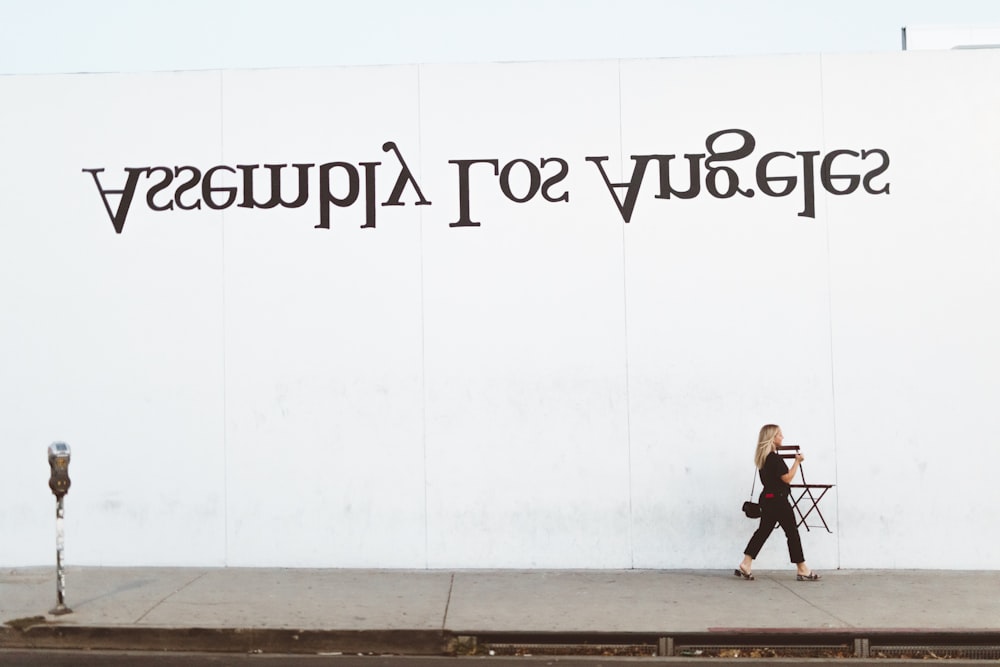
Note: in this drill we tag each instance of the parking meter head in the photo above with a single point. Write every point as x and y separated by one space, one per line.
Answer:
59 468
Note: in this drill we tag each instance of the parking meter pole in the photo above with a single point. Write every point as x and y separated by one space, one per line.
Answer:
61 607
59 482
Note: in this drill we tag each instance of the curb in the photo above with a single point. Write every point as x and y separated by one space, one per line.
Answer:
229 640
846 642
839 643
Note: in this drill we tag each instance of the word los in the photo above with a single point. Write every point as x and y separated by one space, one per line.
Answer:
714 171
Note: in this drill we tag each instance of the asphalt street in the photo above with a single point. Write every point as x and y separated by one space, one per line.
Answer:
43 658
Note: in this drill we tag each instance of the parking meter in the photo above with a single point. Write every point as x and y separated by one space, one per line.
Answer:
59 468
59 483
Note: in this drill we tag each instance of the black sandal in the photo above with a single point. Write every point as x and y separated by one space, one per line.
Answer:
812 576
740 572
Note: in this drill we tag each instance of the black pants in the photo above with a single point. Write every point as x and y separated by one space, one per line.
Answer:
776 511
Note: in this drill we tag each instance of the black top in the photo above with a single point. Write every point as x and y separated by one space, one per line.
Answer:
770 475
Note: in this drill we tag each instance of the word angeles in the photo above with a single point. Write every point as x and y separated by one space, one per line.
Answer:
729 167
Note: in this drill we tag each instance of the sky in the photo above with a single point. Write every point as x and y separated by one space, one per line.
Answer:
57 36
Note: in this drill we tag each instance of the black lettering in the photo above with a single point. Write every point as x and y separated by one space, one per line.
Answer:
464 219
405 176
207 189
694 176
732 179
553 180
764 181
326 197
121 213
808 183
369 193
168 177
186 186
275 170
877 171
625 207
534 180
827 178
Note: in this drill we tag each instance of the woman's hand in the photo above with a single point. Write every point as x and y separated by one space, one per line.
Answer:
790 475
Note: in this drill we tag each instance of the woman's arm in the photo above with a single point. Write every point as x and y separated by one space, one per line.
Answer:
790 475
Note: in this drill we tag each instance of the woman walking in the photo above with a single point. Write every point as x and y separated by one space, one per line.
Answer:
774 505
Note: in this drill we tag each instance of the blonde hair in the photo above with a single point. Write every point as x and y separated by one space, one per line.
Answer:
765 443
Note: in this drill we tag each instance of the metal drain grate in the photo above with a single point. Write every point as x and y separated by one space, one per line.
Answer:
761 651
553 649
936 652
754 645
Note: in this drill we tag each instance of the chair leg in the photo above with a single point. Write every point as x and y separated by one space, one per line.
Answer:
814 505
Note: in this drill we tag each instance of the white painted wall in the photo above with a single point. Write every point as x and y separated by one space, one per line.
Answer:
554 388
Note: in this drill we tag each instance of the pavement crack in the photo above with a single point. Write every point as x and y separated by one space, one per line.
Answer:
167 597
447 603
809 602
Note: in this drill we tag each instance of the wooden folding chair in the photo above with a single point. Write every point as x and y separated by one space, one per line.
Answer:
806 499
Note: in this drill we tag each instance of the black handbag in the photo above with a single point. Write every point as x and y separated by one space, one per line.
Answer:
750 508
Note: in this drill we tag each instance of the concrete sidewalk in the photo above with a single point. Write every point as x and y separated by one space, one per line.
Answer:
433 612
